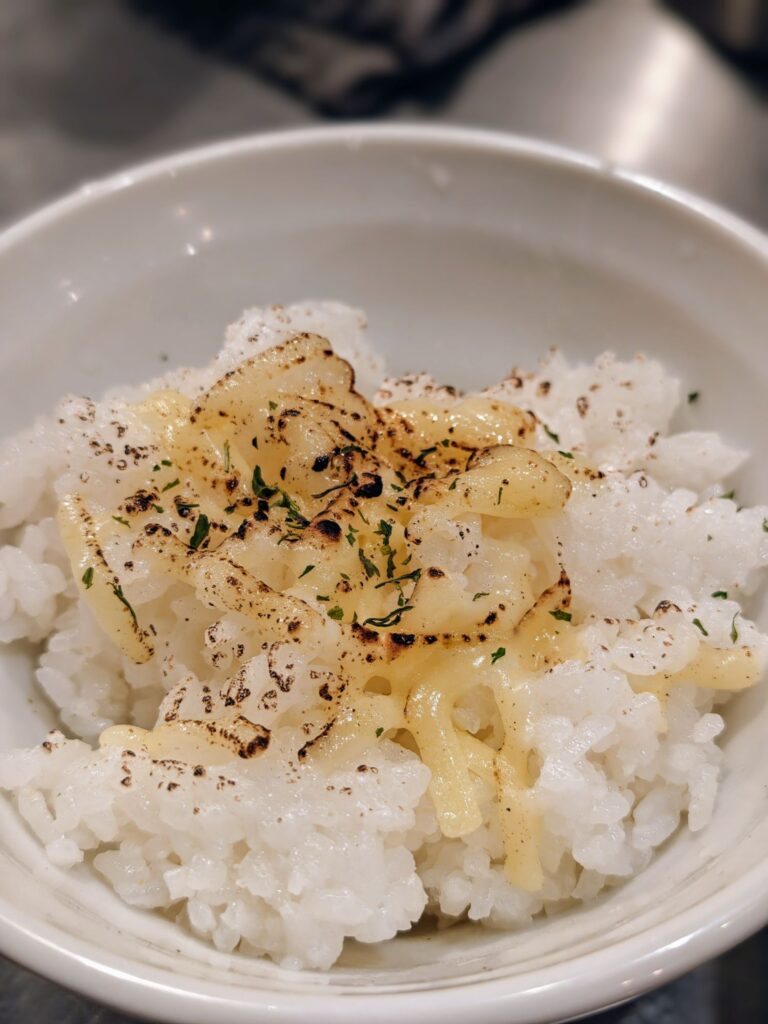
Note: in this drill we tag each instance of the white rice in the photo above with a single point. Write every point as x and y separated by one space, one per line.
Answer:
287 861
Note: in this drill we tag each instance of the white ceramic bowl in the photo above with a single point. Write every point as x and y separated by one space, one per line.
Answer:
470 251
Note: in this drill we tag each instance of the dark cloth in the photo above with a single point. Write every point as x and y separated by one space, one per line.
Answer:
347 58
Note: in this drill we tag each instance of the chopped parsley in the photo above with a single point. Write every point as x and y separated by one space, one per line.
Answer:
173 483
384 530
560 615
721 593
446 442
414 575
452 485
157 508
118 592
343 576
551 434
366 521
288 537
390 619
336 613
498 654
202 526
295 517
498 496
350 536
306 571
273 405
734 631
322 597
379 731
368 565
566 455
698 624
693 396
260 488
481 593
156 468
87 577
337 487
185 507
227 457
123 522
255 441
166 462
729 495
423 454
230 509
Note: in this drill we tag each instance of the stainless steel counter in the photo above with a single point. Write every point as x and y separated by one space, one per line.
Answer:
88 87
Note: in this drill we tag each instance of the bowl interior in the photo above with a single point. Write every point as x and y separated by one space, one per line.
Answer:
470 255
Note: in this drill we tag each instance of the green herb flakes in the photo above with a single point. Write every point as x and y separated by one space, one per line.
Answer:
698 624
414 575
185 507
498 654
259 487
561 615
117 590
202 526
87 578
390 619
336 613
306 571
370 568
336 487
423 454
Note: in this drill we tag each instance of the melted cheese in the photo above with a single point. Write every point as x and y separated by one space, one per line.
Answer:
301 509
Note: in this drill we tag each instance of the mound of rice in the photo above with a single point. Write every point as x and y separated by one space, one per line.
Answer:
288 860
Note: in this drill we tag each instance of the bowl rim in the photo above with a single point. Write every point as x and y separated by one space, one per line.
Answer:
594 980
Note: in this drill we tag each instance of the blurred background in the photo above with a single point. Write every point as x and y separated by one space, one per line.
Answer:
674 90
